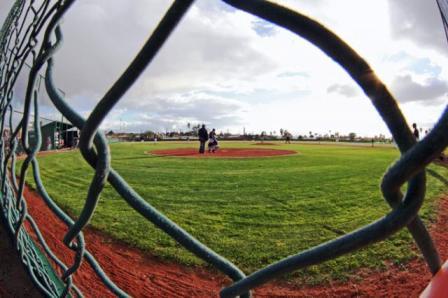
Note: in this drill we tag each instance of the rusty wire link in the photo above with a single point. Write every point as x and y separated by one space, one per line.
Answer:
32 35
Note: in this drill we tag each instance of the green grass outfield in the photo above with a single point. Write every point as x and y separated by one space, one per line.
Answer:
252 211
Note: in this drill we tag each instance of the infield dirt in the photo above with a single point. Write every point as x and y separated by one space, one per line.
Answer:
226 152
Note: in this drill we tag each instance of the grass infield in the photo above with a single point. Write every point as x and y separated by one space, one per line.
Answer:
253 211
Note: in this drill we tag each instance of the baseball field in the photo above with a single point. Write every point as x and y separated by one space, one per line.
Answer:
253 211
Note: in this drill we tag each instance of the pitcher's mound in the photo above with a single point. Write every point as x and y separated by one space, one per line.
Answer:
224 152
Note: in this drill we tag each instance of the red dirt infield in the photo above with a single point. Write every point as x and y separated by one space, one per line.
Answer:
222 152
143 275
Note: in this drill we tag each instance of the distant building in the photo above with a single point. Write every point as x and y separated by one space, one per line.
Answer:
57 135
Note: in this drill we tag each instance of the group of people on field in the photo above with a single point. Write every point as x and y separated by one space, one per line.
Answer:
417 132
204 136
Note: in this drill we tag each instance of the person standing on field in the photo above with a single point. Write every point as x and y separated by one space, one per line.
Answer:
203 136
416 132
287 137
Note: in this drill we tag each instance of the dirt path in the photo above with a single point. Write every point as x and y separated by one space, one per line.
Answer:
222 152
143 275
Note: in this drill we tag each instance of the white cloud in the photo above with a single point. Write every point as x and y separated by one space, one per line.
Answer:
345 90
406 89
176 110
5 6
229 69
418 21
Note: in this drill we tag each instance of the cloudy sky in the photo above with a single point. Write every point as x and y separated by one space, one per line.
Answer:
230 70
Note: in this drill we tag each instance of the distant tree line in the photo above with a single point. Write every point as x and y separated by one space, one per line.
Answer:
192 132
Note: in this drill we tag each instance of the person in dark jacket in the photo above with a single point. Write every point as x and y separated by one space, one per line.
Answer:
415 132
203 136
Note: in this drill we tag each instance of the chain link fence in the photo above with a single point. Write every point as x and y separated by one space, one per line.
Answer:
32 34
